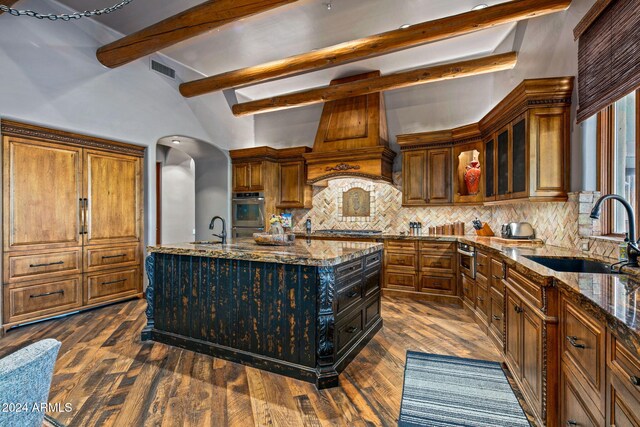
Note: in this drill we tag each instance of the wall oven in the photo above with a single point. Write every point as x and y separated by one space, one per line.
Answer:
467 260
247 213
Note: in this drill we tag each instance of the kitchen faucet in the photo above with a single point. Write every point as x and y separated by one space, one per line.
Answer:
632 247
223 235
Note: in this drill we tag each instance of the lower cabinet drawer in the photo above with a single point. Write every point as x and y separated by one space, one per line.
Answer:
21 267
573 408
371 282
349 332
104 258
496 314
350 295
26 303
582 343
405 261
482 300
623 399
468 290
106 286
444 263
402 281
371 311
443 285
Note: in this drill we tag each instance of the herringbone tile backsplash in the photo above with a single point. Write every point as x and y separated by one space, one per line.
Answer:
563 224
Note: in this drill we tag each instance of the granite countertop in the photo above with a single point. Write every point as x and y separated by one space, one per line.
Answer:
303 252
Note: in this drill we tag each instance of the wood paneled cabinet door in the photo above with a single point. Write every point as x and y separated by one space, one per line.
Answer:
513 348
112 198
439 176
292 189
42 195
247 176
414 178
426 177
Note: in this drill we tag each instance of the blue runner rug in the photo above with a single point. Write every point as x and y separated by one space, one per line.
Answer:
452 391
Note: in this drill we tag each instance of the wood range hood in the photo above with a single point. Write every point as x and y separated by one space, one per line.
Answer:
352 139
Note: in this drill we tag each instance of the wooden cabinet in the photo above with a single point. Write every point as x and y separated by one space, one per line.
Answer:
521 146
414 178
623 388
113 194
247 176
293 191
66 197
575 410
42 195
531 334
424 270
427 177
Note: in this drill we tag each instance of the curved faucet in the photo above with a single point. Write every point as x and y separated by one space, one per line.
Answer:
223 235
632 247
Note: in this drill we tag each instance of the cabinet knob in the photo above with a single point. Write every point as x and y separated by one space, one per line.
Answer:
574 343
635 380
518 309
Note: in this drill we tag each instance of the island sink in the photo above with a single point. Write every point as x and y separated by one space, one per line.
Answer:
573 265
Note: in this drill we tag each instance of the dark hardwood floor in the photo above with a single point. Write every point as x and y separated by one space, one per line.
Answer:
112 379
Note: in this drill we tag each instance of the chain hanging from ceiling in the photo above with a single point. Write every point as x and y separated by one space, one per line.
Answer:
65 16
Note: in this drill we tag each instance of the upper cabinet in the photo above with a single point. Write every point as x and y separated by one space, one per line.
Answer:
247 176
280 174
518 151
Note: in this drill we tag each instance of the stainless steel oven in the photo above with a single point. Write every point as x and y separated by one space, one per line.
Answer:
467 260
247 210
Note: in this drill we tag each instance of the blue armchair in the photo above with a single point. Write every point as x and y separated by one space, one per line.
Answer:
25 379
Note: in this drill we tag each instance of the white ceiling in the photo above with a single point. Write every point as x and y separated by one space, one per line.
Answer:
301 27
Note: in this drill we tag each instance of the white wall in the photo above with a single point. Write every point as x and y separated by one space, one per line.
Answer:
50 76
178 195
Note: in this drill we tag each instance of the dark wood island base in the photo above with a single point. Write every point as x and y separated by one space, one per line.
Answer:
303 321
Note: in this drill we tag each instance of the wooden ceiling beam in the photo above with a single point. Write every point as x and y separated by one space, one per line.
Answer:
420 76
185 25
7 3
376 45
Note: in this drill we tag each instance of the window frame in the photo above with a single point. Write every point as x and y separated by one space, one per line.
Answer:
606 136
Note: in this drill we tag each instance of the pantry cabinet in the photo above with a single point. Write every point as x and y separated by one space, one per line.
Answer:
72 204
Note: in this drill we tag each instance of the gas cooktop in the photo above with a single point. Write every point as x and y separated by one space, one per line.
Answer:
367 232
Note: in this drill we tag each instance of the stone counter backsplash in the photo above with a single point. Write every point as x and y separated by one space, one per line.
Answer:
562 224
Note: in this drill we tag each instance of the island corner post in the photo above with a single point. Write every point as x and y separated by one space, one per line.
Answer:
304 321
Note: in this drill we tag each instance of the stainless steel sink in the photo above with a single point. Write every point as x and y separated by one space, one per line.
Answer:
573 265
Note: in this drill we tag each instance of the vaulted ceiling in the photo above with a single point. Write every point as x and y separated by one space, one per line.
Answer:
301 27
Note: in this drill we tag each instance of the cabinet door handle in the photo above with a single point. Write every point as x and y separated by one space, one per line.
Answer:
46 265
495 276
351 329
480 299
48 294
635 380
571 423
114 256
518 309
496 317
82 216
112 282
572 341
352 294
86 208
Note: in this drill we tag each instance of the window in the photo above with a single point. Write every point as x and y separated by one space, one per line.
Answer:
618 138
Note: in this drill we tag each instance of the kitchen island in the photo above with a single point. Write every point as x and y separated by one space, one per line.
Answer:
303 311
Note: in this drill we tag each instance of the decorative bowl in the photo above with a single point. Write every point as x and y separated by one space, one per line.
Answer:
268 239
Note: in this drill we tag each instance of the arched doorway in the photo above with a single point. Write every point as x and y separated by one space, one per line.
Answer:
193 187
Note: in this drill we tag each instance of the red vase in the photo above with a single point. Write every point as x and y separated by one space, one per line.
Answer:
472 177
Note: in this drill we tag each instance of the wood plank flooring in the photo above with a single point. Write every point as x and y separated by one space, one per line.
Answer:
111 378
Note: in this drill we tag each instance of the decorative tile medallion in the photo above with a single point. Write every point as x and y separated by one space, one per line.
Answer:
356 202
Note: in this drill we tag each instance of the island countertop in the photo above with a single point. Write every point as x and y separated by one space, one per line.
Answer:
302 252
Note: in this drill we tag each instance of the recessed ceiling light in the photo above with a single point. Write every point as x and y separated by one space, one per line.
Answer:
175 141
403 26
480 6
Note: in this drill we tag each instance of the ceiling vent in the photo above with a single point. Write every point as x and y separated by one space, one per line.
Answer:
163 69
